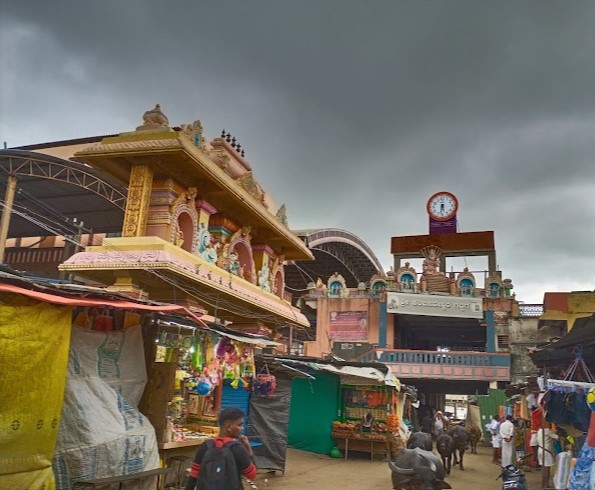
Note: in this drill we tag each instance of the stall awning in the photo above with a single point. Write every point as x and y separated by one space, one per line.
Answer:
254 340
582 334
73 300
351 374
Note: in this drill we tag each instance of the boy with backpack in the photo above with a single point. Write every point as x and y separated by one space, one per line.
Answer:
221 461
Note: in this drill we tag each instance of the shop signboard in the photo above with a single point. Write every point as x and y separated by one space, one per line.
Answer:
348 325
434 305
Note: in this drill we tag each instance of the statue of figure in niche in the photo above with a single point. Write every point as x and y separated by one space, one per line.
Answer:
234 263
205 247
179 239
432 278
431 263
263 277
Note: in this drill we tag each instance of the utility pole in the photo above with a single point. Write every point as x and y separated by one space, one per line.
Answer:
11 186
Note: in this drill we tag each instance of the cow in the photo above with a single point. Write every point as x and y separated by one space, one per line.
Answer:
445 448
417 469
474 433
420 440
460 444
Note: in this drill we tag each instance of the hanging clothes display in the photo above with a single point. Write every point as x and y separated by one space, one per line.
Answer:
582 476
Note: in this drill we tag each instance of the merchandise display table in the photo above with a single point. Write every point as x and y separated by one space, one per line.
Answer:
362 444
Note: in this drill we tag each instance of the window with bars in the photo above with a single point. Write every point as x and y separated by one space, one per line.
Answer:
503 341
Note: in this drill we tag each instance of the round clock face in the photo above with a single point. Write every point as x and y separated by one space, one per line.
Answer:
442 206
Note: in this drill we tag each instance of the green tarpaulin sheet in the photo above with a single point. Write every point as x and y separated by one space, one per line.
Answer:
314 407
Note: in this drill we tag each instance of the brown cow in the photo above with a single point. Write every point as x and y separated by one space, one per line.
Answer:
474 433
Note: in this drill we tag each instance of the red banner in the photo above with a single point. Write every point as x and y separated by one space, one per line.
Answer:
348 325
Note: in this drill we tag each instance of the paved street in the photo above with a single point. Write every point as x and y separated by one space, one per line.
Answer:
316 472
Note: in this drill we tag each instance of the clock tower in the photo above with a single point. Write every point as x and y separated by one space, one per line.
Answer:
442 209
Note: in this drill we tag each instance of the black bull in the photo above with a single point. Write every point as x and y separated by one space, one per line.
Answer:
421 440
417 469
445 448
460 440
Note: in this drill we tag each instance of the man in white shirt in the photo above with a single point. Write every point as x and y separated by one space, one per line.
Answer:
493 428
507 436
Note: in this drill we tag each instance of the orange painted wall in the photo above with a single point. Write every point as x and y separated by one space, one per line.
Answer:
323 345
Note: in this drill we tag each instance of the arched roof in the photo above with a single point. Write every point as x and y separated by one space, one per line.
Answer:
51 190
334 250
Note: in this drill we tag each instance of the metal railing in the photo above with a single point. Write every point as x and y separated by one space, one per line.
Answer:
530 310
452 358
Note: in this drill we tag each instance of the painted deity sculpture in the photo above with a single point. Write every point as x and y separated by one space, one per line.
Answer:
431 263
205 248
432 278
234 265
263 277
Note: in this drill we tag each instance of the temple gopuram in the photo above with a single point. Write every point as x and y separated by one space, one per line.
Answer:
170 216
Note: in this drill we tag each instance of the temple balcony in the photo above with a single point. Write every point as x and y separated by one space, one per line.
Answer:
452 365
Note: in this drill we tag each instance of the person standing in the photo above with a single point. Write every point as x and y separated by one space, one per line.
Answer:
494 429
221 461
545 449
427 424
440 424
507 435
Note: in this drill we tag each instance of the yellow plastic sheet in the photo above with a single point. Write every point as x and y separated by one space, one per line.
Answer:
34 345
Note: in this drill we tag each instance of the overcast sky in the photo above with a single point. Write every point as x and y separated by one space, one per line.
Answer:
351 112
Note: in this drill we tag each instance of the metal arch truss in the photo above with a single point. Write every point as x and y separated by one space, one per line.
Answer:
63 171
316 238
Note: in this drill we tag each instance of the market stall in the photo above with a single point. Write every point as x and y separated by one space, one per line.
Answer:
368 416
194 373
82 421
341 392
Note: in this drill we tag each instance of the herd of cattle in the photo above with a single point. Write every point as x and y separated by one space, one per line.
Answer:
416 467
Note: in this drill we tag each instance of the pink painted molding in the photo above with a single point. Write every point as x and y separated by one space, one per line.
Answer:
264 248
206 206
162 259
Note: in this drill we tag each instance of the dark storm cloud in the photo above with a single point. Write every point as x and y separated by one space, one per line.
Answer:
351 112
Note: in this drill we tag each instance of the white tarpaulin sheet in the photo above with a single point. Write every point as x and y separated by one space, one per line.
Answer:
352 373
102 433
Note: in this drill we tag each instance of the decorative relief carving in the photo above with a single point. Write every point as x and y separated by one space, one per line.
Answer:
494 287
154 119
466 283
184 197
132 145
264 279
194 132
282 215
229 257
432 278
137 204
206 248
407 278
249 184
221 159
278 271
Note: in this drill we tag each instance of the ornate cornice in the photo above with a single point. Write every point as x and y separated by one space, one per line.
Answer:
198 270
157 144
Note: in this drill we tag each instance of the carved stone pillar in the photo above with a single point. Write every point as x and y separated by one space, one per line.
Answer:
137 205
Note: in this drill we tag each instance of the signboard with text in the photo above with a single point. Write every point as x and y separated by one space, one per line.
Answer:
348 325
442 227
434 305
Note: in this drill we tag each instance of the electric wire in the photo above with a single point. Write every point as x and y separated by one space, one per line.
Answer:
215 301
